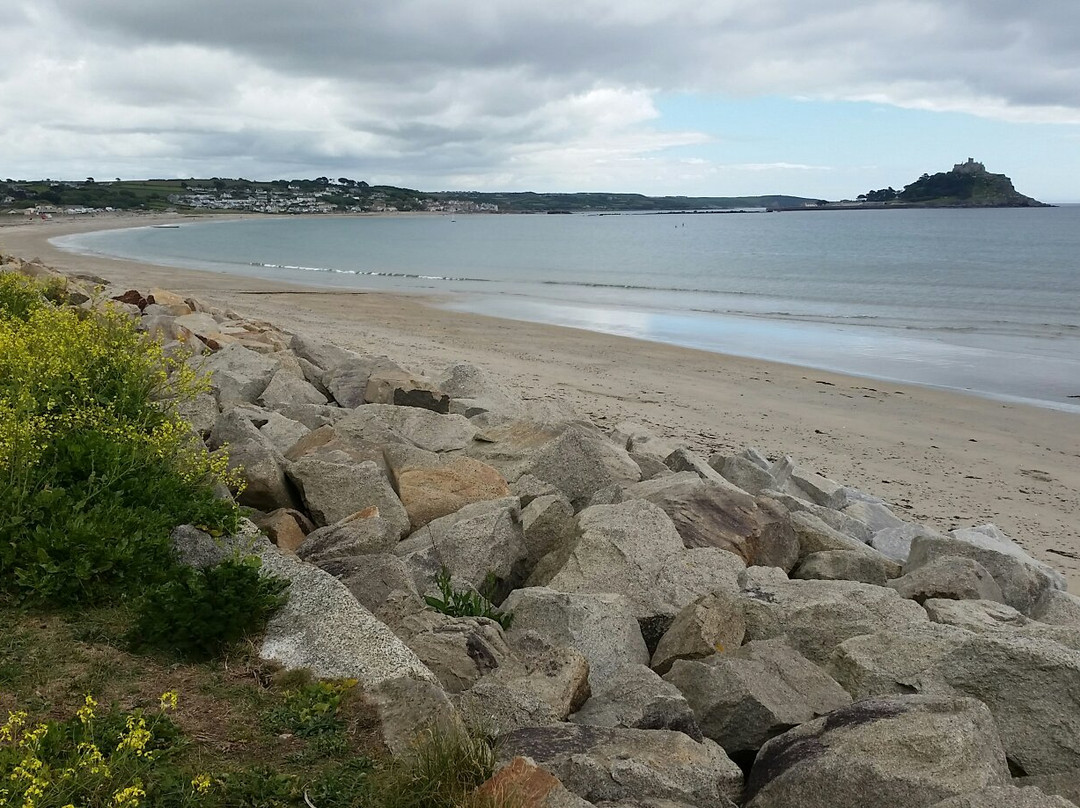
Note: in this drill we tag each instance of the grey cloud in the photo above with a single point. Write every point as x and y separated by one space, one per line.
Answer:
717 46
442 88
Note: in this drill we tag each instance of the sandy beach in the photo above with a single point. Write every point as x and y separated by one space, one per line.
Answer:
947 459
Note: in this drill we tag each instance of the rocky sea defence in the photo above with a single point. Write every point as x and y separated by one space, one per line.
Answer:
681 630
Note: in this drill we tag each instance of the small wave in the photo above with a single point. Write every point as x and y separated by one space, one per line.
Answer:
369 273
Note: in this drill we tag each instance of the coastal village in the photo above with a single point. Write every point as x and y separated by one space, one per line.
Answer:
49 198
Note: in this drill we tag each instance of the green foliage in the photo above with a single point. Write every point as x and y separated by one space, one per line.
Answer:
310 710
90 760
19 296
441 771
467 602
96 465
200 613
881 195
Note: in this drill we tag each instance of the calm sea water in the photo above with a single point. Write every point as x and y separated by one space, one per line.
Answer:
986 301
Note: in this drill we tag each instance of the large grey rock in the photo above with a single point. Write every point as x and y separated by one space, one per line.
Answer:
895 542
1032 687
371 578
397 386
1007 795
710 515
1063 784
815 536
285 390
557 675
948 578
385 423
347 381
201 411
495 708
314 416
459 651
1024 581
527 488
324 628
974 615
600 626
711 624
361 533
238 375
547 523
601 764
320 353
890 662
744 697
473 391
837 520
408 708
1058 608
817 616
743 473
684 460
196 548
480 539
802 482
901 752
333 491
440 485
846 565
262 466
282 432
634 549
875 515
580 462
637 698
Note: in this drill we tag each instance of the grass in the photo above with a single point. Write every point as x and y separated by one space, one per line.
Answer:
263 736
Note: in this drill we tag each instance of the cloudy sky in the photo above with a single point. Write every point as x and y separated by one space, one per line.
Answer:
826 98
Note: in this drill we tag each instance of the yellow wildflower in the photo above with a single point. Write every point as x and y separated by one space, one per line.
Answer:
169 700
86 712
201 783
136 738
129 797
90 757
11 727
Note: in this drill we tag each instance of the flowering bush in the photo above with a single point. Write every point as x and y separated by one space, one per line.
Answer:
89 760
96 465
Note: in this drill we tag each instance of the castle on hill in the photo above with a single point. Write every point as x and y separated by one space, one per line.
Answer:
970 167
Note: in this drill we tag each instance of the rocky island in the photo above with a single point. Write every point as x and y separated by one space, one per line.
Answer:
967 185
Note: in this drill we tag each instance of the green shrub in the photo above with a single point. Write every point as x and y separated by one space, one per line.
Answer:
311 709
200 613
96 465
467 602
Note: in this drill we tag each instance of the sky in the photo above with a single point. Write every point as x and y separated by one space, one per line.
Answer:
828 98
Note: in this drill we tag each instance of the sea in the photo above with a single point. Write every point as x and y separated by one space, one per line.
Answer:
981 301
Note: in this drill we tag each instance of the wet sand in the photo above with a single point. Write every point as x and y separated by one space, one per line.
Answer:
947 459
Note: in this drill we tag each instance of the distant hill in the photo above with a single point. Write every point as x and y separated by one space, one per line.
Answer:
968 185
323 195
529 202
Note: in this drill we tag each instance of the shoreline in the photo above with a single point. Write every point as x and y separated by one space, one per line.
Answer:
947 458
